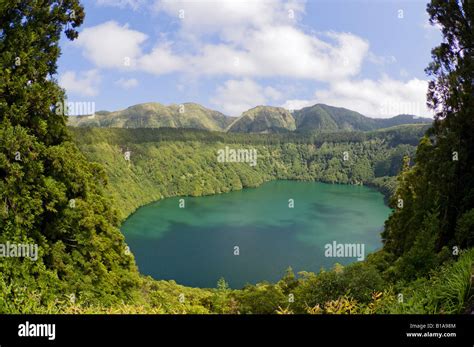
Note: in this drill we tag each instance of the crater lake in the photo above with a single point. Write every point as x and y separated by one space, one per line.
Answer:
255 234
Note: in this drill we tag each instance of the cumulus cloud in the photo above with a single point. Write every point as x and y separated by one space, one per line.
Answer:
111 45
246 40
85 83
255 39
381 98
161 61
284 51
236 96
127 83
296 104
260 39
431 30
230 19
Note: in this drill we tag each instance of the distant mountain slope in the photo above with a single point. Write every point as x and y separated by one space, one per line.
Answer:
400 120
155 115
264 119
328 118
322 117
260 119
319 117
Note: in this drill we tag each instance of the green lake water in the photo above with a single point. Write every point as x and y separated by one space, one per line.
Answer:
196 245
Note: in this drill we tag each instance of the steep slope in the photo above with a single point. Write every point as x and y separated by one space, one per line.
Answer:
264 119
155 115
327 118
322 117
175 162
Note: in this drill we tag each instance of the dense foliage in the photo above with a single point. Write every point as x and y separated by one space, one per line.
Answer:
169 162
52 196
436 219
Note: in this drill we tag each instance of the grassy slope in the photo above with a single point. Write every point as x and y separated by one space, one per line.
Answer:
264 119
155 115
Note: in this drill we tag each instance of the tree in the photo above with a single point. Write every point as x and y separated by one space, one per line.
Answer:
451 96
439 188
29 46
50 195
288 282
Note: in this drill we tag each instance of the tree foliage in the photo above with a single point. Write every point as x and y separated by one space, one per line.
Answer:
438 191
50 195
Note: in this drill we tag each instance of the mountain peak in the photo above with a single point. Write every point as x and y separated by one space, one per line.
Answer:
263 119
259 119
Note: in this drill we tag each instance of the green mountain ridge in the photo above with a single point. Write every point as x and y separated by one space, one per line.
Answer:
322 117
156 115
264 119
260 119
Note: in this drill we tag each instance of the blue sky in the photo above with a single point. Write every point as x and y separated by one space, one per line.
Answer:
231 55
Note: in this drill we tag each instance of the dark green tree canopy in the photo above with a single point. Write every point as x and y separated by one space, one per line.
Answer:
29 48
438 192
81 250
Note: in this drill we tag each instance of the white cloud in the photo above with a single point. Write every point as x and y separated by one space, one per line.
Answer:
244 40
134 4
236 96
296 104
229 18
283 51
127 83
261 38
161 61
382 98
272 93
381 60
111 45
84 84
432 31
256 39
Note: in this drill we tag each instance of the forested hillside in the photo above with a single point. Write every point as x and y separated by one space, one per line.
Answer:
170 162
437 218
67 190
50 194
322 117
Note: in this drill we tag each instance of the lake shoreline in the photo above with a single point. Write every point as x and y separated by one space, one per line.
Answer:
365 184
254 234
